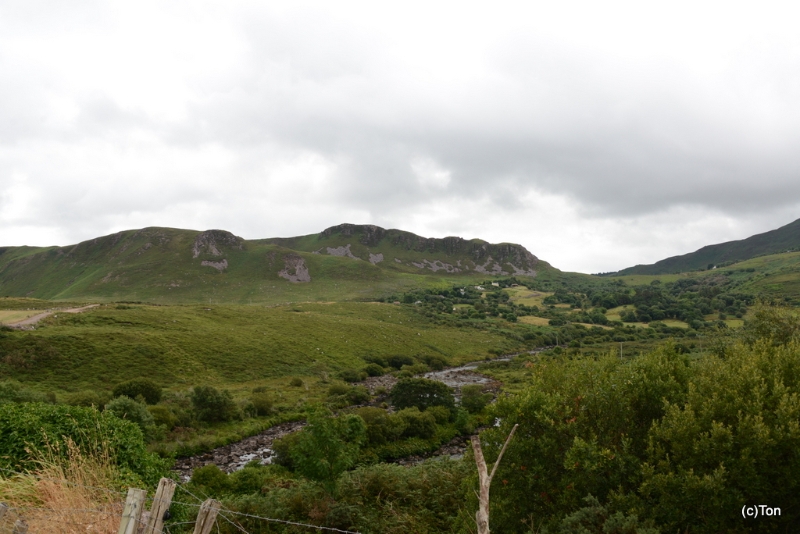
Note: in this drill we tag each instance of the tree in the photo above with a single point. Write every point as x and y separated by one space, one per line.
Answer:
328 446
131 410
422 393
213 405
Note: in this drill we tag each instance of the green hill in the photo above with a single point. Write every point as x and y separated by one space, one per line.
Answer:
785 238
345 262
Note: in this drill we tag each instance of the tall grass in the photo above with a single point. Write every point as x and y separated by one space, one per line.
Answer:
65 494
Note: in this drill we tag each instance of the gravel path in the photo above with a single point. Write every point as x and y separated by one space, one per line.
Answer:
30 322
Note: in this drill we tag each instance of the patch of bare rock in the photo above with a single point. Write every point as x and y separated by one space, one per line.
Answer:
295 269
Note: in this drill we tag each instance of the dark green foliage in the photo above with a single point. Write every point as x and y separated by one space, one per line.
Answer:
212 405
296 382
352 375
421 393
162 416
144 387
417 424
41 426
473 399
133 411
677 443
595 519
262 403
98 399
776 325
373 369
211 480
382 427
398 361
342 395
327 446
12 391
389 498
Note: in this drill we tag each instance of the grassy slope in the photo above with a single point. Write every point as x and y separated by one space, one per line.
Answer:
773 242
225 345
158 265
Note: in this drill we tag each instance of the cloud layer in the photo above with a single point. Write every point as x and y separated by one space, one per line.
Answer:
598 136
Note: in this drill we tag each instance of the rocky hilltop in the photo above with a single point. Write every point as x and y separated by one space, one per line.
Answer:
169 265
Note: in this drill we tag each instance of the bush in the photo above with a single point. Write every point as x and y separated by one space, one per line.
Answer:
212 405
358 395
421 393
374 369
262 403
131 410
441 414
12 391
98 399
327 446
162 416
473 399
211 480
418 424
149 390
296 382
398 361
382 427
28 428
351 375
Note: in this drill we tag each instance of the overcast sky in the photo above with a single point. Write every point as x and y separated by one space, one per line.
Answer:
599 135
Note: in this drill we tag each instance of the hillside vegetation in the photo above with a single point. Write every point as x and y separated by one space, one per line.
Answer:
165 265
784 239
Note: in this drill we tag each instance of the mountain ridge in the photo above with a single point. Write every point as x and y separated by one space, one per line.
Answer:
188 265
783 239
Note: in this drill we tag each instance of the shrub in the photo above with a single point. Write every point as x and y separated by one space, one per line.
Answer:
327 446
358 395
441 414
418 424
133 411
211 479
352 375
28 428
398 361
149 390
421 393
12 391
296 382
212 405
473 399
162 416
262 403
374 369
381 426
98 399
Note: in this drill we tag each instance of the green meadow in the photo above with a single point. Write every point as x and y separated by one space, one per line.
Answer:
227 345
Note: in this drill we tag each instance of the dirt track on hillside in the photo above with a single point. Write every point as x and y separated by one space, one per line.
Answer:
30 322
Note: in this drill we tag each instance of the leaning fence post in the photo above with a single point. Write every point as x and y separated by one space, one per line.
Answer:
161 503
132 511
20 527
207 516
3 510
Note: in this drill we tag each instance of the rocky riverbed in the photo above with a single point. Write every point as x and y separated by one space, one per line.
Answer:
233 457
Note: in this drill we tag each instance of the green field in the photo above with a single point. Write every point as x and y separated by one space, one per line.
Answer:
230 345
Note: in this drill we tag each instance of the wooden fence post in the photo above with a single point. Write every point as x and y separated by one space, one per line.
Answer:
20 527
485 481
207 516
3 510
133 511
161 503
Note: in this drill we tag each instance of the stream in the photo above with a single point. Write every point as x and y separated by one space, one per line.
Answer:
235 456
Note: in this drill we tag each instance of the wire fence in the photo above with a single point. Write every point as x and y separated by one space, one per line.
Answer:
12 516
